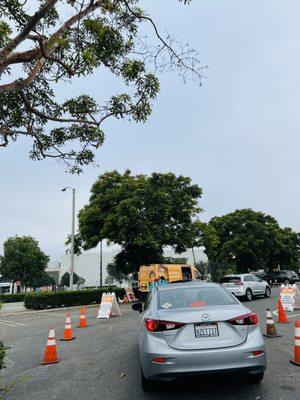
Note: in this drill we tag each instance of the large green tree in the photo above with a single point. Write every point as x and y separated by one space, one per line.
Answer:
23 260
143 214
47 43
250 240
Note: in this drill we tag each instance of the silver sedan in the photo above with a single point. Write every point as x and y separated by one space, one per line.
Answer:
196 328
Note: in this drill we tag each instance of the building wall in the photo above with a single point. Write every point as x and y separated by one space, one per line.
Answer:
87 265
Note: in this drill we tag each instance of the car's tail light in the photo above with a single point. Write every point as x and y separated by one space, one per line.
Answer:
156 325
246 319
159 360
257 353
238 283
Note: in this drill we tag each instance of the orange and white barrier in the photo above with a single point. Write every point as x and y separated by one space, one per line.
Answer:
296 360
108 306
68 333
50 356
82 320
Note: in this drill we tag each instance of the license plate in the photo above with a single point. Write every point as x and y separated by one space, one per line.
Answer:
206 330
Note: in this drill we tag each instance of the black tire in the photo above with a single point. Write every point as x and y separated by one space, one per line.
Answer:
249 295
267 292
287 281
146 383
255 378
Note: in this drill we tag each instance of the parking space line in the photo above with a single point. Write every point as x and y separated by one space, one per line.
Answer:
288 315
11 323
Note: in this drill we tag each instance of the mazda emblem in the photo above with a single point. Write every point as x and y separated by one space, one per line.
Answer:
205 317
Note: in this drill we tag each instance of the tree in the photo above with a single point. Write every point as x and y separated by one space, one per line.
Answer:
249 239
143 214
42 279
65 279
59 40
23 260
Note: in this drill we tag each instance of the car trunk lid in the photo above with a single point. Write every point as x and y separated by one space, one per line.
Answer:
207 320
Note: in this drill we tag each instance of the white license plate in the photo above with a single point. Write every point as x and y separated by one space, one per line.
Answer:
206 330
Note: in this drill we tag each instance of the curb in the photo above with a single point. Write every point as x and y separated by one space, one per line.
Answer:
8 314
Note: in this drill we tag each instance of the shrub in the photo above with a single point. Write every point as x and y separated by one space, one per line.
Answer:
2 354
11 298
40 301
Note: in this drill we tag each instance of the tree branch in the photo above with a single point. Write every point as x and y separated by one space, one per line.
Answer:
11 45
22 83
50 44
50 118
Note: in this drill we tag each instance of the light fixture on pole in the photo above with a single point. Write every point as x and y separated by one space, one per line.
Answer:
72 236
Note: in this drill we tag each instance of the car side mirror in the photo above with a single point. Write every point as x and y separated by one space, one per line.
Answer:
137 307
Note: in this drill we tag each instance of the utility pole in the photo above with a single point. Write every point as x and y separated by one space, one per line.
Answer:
100 280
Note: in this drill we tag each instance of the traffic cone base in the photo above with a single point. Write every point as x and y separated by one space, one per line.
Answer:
50 362
271 336
295 363
85 326
66 340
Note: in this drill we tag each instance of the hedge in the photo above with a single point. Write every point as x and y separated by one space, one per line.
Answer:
42 300
2 354
11 298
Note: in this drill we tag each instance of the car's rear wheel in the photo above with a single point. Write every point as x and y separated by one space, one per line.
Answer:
255 378
146 383
267 292
249 295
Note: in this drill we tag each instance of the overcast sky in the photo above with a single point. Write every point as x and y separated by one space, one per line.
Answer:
237 136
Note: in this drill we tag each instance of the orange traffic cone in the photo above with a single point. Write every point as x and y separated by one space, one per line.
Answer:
282 318
68 333
296 361
271 329
50 356
82 321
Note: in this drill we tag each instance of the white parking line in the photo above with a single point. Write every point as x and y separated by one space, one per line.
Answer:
11 323
288 315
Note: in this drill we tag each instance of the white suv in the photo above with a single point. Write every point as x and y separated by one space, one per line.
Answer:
247 285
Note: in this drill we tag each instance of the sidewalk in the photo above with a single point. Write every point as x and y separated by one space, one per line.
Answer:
12 307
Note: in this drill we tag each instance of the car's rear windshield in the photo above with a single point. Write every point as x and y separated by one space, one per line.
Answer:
194 297
228 279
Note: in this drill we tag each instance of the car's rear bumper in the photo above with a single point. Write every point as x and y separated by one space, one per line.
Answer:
238 359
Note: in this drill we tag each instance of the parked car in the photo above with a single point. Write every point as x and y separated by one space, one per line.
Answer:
246 285
195 328
283 276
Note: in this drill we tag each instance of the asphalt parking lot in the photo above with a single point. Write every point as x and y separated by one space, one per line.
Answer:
102 363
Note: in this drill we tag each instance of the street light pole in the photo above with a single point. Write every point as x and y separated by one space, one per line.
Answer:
100 280
72 236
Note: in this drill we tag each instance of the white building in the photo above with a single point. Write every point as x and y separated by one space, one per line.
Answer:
87 265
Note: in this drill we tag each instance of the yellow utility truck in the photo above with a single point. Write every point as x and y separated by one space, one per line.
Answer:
161 274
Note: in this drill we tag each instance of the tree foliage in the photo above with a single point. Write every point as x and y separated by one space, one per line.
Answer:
143 214
23 260
65 279
50 42
252 240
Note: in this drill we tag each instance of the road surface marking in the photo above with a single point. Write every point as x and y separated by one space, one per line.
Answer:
288 315
11 323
